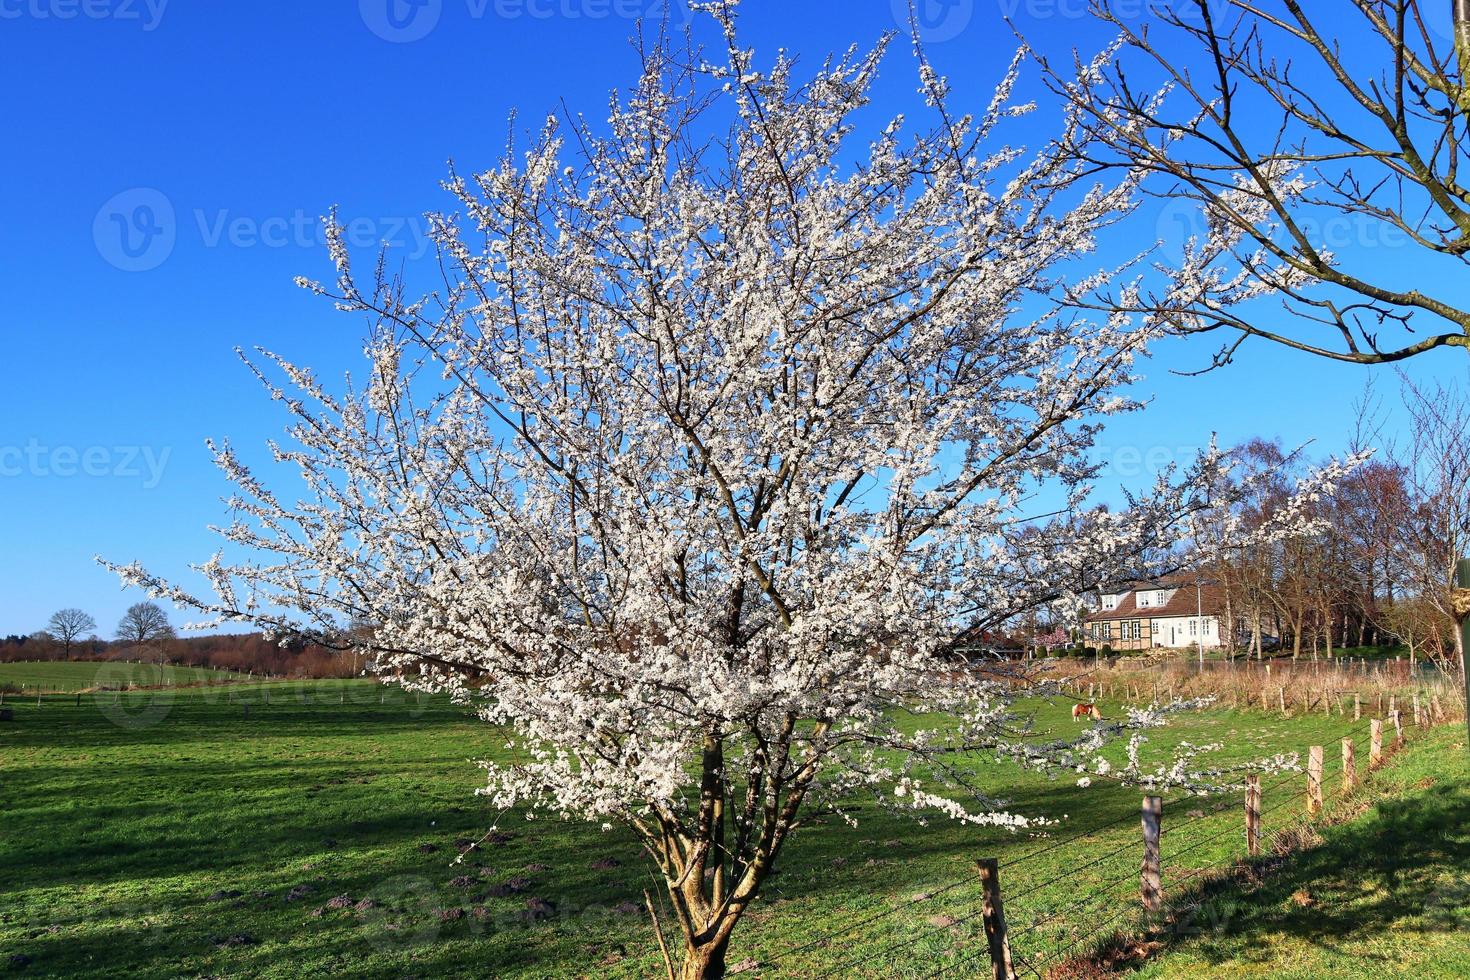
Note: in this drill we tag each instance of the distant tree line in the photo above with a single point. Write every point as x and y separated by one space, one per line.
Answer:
144 633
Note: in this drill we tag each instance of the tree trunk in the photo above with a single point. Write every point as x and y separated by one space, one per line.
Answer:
1462 46
704 962
1229 624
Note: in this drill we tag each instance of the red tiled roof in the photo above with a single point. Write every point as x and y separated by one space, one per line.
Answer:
1182 603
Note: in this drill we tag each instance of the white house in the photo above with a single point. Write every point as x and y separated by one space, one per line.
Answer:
1171 614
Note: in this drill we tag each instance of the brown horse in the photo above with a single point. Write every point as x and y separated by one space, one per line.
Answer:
1086 711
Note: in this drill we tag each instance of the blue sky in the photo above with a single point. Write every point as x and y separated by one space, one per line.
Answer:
164 167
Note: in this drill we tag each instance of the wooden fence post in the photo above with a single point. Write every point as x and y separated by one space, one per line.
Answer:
1349 766
1418 718
1375 743
994 916
1314 780
1357 707
1281 694
1253 815
1151 877
1398 729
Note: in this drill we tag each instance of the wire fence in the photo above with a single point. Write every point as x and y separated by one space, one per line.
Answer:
1046 914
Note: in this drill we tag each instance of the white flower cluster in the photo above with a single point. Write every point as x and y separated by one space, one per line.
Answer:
688 474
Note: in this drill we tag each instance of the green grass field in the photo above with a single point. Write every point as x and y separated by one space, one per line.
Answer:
1386 893
205 832
71 676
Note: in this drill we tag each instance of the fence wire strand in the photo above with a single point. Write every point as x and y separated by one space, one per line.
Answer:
1034 963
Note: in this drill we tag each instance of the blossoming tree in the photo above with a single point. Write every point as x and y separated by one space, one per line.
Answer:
721 421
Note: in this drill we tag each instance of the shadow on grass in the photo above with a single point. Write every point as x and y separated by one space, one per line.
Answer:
1400 869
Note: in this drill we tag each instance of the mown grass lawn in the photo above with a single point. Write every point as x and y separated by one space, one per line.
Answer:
72 676
205 832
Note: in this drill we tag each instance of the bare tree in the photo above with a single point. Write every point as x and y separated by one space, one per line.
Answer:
1437 463
70 625
144 624
1286 133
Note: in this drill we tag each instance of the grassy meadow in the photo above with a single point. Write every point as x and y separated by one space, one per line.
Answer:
288 829
1384 893
73 676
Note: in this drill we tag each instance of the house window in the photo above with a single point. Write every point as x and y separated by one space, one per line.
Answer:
1154 628
1193 627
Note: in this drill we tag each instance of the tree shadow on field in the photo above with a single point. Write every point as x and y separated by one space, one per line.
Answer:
1401 869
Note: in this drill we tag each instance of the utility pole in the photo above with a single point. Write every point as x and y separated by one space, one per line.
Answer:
1199 609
